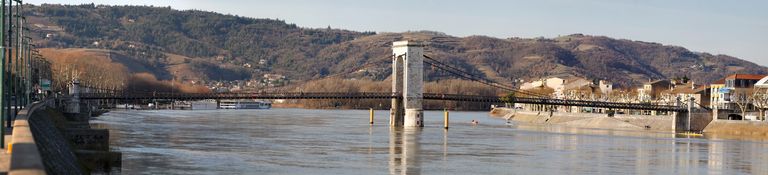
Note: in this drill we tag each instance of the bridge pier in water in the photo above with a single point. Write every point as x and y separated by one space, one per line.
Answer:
72 109
397 112
408 84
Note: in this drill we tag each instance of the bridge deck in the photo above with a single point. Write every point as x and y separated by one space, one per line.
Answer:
373 95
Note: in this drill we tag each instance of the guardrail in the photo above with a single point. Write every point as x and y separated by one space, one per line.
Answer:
25 157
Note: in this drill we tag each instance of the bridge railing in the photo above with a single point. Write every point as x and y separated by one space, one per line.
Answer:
262 95
599 104
373 95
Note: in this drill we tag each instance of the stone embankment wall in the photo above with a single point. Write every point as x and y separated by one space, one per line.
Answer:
49 142
589 120
55 149
738 128
25 155
700 121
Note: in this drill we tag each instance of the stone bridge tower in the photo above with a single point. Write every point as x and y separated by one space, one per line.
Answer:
408 81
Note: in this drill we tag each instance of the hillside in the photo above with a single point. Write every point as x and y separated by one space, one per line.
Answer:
205 46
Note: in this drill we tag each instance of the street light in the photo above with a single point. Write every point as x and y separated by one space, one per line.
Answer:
26 67
2 75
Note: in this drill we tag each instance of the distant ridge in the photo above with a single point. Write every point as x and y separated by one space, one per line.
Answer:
210 46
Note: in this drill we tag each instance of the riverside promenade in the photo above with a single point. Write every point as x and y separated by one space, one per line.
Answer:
21 155
49 137
5 158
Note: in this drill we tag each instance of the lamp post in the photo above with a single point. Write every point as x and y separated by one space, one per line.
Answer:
9 89
2 74
27 69
24 70
17 55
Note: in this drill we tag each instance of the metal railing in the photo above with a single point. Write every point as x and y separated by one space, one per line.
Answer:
372 95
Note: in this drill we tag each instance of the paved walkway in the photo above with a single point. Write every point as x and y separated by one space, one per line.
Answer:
5 158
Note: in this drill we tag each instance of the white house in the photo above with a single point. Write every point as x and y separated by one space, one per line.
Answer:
762 83
606 87
562 85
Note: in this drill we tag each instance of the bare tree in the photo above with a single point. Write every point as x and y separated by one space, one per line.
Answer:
743 100
759 99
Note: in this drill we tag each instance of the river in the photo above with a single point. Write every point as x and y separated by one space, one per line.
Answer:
303 141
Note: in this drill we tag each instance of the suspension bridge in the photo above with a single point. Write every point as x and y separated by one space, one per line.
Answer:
24 71
369 95
407 90
25 75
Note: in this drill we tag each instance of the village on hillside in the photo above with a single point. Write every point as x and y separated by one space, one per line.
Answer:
734 97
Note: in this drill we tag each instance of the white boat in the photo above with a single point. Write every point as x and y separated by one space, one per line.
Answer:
245 104
204 105
127 106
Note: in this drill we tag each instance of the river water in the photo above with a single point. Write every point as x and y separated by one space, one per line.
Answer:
302 141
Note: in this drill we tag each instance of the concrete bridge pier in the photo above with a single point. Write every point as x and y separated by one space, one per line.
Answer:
413 80
397 111
692 119
72 106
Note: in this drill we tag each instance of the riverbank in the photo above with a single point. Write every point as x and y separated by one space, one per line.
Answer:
588 120
304 141
738 128
46 140
731 129
362 107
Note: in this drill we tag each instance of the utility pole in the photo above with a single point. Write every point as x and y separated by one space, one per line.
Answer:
9 65
17 69
15 63
2 74
31 69
23 71
27 69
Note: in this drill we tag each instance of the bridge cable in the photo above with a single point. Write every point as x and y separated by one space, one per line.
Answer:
477 78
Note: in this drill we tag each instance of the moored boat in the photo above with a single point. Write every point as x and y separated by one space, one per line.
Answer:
245 104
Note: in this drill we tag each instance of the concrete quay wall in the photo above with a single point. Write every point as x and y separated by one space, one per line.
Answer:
738 128
46 141
58 156
25 156
589 120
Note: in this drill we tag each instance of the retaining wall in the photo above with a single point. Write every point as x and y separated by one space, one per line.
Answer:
589 120
738 128
38 147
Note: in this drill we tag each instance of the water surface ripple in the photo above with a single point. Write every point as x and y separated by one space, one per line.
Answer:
301 141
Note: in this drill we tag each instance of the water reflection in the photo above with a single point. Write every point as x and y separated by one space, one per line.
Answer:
445 144
589 151
294 141
404 150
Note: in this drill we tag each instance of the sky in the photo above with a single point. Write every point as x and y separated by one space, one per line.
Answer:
736 28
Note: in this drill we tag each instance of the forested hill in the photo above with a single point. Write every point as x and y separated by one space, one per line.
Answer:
149 32
204 46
